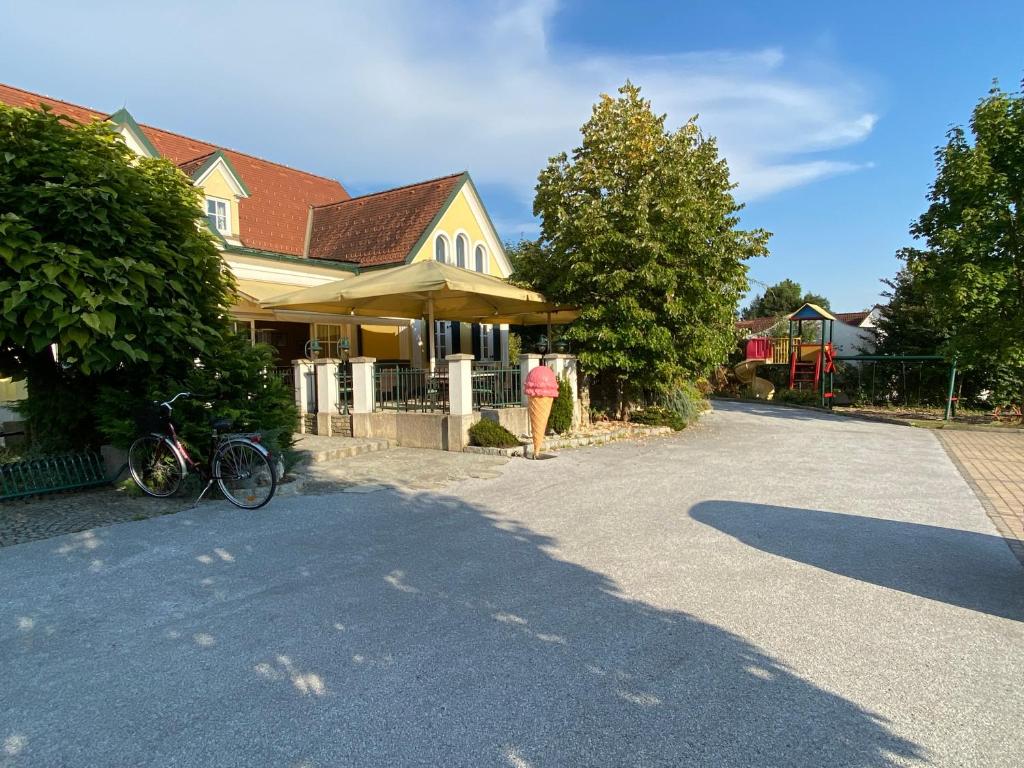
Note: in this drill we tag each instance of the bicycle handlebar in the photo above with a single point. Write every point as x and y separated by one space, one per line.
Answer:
167 404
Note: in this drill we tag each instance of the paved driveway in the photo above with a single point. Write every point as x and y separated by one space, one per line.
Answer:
773 588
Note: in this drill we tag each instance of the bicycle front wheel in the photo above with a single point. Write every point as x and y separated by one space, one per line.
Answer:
244 474
155 466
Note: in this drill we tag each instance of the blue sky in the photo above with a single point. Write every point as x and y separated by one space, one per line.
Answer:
828 113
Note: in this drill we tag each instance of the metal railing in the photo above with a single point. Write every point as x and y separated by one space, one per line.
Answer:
344 374
496 387
48 474
283 373
410 389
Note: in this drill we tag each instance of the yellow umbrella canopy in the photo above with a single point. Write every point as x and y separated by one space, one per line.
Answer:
431 290
411 290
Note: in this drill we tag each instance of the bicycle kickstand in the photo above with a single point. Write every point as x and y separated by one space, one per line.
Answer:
202 493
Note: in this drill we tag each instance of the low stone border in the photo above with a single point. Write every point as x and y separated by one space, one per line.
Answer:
573 441
291 485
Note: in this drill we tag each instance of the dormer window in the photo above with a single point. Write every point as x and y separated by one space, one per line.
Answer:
217 213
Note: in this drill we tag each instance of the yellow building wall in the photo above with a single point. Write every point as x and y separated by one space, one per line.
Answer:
459 216
381 342
216 185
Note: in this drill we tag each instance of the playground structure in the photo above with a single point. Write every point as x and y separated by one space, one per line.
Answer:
810 355
746 373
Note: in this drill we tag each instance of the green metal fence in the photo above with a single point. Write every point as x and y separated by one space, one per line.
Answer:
410 389
49 474
496 387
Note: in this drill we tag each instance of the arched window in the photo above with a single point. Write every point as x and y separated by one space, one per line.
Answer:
441 249
461 247
481 259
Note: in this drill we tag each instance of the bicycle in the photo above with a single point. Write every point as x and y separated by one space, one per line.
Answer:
240 465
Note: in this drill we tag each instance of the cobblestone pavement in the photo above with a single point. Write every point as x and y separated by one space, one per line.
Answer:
410 468
403 468
54 515
993 464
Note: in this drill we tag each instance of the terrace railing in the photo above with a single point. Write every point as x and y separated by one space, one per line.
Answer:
495 386
410 389
344 388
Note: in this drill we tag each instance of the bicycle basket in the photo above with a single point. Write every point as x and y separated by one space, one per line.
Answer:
152 418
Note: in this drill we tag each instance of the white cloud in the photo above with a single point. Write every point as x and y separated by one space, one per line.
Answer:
399 90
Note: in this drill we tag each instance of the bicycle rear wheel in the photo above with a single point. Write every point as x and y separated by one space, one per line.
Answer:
244 474
155 466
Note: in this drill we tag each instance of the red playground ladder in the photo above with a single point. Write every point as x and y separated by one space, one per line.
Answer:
802 372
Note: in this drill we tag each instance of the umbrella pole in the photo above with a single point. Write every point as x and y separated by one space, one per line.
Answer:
550 343
430 333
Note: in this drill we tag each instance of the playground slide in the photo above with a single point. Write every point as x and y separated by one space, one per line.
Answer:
746 372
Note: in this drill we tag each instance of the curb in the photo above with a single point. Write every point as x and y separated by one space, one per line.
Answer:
556 444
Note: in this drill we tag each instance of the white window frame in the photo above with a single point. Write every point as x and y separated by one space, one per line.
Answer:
461 239
486 341
226 229
443 239
482 265
442 339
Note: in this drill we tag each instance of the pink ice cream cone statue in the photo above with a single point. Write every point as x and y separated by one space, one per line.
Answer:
541 388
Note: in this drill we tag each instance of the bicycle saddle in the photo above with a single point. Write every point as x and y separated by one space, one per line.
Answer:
220 423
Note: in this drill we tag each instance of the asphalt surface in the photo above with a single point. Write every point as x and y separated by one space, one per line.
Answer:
773 588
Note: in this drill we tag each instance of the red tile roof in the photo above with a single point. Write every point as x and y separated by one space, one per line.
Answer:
757 324
381 228
761 324
852 318
272 218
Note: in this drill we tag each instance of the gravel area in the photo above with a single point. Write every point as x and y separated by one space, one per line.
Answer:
775 588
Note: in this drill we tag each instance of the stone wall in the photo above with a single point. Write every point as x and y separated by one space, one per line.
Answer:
309 423
515 420
341 425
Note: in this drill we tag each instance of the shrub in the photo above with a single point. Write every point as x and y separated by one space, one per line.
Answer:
657 416
233 380
798 396
560 420
490 434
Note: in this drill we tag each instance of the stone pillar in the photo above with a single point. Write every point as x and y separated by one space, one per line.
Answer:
362 396
299 370
326 394
565 365
460 400
527 362
362 384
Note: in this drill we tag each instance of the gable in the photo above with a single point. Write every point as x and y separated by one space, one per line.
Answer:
379 229
465 215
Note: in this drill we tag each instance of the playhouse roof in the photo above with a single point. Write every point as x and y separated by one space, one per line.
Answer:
811 312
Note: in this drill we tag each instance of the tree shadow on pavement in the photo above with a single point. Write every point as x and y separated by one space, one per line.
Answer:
407 630
963 568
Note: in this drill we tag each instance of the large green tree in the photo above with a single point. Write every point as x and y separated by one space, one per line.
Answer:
102 260
639 229
972 266
780 299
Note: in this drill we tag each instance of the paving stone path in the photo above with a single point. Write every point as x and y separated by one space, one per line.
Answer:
57 514
993 464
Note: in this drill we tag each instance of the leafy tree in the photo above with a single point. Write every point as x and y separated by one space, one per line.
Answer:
100 251
640 230
907 325
102 260
972 268
780 299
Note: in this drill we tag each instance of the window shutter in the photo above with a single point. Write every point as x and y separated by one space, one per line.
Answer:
476 341
456 338
496 344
